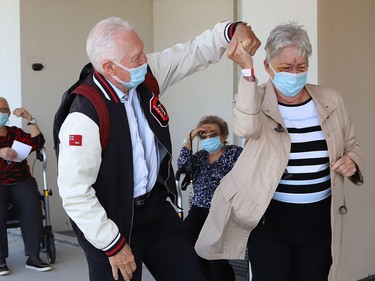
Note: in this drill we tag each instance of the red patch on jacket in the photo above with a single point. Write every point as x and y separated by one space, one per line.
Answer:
75 140
158 111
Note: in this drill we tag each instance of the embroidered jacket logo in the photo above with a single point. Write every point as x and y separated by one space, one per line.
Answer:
158 111
75 140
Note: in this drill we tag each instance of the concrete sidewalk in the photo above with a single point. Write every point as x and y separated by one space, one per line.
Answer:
70 262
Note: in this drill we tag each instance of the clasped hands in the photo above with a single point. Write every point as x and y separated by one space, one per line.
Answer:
243 46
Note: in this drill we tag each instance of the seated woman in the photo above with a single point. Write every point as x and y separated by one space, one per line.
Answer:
19 187
207 166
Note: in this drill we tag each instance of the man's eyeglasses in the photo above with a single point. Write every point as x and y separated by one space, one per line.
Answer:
207 135
4 110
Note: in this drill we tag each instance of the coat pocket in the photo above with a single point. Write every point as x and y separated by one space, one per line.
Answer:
236 205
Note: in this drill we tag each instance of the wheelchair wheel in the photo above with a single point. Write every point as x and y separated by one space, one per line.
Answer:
50 247
48 244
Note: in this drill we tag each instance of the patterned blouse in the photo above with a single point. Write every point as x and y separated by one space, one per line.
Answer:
207 176
14 172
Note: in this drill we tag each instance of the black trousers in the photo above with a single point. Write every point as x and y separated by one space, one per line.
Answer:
214 270
158 240
26 198
276 256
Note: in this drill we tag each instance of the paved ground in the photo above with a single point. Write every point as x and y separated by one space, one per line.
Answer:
70 262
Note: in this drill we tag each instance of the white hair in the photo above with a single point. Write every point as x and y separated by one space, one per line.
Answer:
101 43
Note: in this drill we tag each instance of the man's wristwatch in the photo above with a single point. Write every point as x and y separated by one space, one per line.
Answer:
31 122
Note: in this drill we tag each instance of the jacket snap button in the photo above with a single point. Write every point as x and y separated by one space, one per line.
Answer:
343 210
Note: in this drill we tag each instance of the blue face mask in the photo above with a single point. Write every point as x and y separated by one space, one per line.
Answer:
289 84
212 145
137 75
4 117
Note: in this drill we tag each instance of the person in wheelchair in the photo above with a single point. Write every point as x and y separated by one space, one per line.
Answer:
207 167
19 187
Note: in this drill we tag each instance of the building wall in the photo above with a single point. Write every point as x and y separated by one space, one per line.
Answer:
54 33
10 67
208 92
346 62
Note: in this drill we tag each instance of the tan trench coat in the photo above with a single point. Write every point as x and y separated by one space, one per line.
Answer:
244 193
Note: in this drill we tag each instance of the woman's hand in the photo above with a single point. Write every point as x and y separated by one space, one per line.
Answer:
195 132
345 166
21 112
8 154
241 57
244 36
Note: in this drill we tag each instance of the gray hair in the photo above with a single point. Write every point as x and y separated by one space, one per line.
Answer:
101 43
4 100
211 119
288 35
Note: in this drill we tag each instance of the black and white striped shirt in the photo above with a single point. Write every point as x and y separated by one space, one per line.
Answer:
307 176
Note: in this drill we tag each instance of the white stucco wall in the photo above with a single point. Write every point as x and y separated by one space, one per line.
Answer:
208 92
10 66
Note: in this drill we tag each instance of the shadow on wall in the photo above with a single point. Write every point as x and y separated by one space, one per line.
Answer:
369 278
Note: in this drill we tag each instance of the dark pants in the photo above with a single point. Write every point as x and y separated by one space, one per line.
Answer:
278 256
214 270
26 199
159 241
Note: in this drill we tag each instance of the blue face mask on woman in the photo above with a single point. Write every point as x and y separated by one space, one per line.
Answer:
212 145
137 75
4 117
289 84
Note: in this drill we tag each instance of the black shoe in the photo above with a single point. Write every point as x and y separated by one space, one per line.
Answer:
4 270
37 264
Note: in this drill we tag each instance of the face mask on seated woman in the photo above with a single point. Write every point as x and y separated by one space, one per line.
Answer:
4 117
212 145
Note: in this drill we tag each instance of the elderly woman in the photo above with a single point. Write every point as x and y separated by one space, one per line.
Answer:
207 167
18 186
287 203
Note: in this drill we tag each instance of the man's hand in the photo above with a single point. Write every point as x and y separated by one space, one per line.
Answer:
345 166
241 57
123 261
245 36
